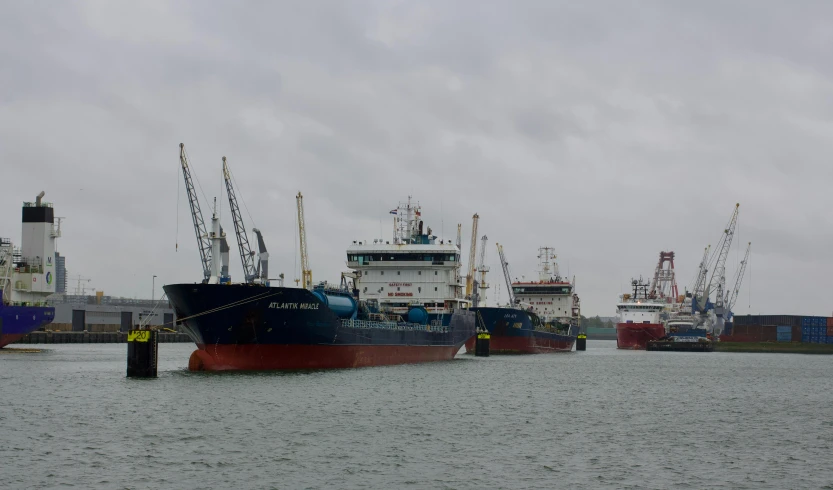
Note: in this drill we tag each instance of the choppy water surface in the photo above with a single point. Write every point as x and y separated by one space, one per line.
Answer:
601 418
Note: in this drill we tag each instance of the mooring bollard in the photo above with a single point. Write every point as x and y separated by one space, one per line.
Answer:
481 345
142 353
581 342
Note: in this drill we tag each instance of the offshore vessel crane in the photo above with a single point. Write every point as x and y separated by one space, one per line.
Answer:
472 258
246 253
506 275
664 284
698 305
306 272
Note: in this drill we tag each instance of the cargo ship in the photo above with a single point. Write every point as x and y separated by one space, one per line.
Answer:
400 303
27 273
543 316
639 318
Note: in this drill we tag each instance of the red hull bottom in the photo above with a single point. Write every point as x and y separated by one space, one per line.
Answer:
9 338
522 345
637 335
254 357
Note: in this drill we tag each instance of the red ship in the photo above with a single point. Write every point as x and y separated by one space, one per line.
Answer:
639 318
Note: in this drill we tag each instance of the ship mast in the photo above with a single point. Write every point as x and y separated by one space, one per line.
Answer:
482 268
548 270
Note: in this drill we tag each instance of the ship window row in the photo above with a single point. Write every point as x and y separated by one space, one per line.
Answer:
406 305
411 257
542 290
398 273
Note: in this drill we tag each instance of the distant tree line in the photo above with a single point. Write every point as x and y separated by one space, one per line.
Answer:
595 322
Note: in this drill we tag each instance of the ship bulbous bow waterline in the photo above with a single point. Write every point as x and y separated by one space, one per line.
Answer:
244 327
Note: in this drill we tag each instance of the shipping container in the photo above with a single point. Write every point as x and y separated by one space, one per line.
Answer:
784 336
830 331
744 320
782 328
830 339
814 339
796 333
830 321
751 333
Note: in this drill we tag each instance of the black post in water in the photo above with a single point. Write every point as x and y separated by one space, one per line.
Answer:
581 342
481 345
142 353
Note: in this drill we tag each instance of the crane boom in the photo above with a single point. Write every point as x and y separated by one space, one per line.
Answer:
732 297
306 273
699 295
718 279
203 239
483 269
472 253
263 257
246 254
506 275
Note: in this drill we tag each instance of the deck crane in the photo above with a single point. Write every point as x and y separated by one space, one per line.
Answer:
246 254
203 238
506 275
732 297
482 268
472 258
306 272
262 270
718 279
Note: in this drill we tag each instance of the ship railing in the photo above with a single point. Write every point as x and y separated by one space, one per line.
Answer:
400 326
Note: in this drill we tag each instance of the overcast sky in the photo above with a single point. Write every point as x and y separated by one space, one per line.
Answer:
608 130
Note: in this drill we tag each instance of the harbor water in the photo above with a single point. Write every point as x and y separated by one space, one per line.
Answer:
603 418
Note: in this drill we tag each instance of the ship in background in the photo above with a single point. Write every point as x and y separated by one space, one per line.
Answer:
400 303
27 273
639 318
542 316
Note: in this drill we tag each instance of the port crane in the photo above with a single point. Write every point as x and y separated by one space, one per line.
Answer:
700 284
247 256
718 279
306 272
506 275
482 268
472 258
732 296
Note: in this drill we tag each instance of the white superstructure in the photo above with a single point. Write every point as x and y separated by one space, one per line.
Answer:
551 297
415 268
639 308
27 274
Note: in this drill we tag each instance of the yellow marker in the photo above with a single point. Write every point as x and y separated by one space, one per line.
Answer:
138 336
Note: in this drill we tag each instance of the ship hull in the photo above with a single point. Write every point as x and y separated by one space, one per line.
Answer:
512 332
240 327
17 321
635 336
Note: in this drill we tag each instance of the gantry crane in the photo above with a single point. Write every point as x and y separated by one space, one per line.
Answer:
732 297
246 254
472 252
506 275
306 272
718 279
203 238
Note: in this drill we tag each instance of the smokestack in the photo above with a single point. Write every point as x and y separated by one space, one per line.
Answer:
38 198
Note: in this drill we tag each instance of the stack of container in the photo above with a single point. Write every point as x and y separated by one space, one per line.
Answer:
814 329
780 328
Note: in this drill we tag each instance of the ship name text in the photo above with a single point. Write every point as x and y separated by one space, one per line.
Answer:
293 306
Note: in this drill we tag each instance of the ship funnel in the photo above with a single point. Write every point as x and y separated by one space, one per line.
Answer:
39 197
